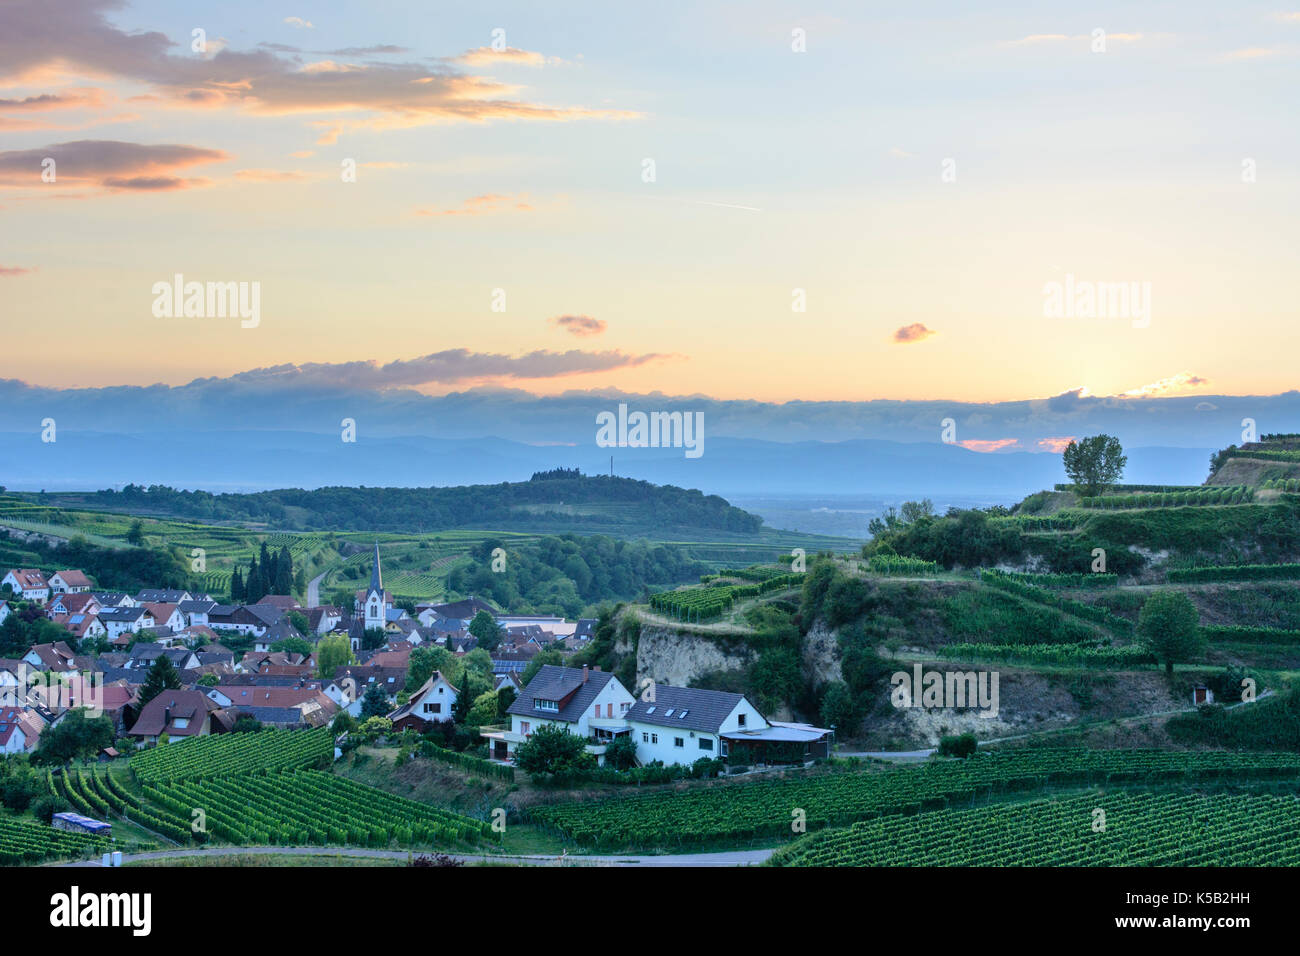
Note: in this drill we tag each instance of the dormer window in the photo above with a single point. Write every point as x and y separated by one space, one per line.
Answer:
539 704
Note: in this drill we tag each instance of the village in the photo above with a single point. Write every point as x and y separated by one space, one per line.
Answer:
168 665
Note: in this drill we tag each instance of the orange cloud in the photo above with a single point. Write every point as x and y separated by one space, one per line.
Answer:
270 175
481 206
1182 382
1056 445
987 445
15 271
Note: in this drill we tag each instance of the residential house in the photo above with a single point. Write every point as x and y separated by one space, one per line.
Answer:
114 599
164 596
196 611
20 730
587 702
29 584
144 653
180 714
391 679
69 582
58 657
121 621
167 615
432 703
79 602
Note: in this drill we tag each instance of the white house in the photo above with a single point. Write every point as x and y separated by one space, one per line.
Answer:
19 730
28 584
4 611
432 703
118 621
589 703
683 724
69 582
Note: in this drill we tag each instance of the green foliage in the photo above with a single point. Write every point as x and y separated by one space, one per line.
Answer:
485 628
75 736
621 753
1272 723
897 565
335 651
960 745
1094 463
162 676
552 753
1201 497
1169 627
1236 572
374 702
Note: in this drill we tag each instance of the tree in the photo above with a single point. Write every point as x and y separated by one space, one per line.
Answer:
1170 627
76 735
837 708
621 753
299 622
505 697
246 724
236 587
209 680
1094 463
162 676
373 637
961 745
554 752
284 571
374 703
484 710
485 628
135 535
332 653
293 645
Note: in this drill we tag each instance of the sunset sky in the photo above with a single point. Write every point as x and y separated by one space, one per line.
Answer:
775 170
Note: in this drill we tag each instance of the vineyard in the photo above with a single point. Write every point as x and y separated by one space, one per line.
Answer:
227 754
893 564
27 841
1200 498
1014 584
1077 580
1250 634
707 603
1138 829
308 807
762 809
1287 485
1236 572
1071 655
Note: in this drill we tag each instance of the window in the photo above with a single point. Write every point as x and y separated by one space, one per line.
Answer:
645 738
654 738
623 707
597 709
539 704
609 710
523 727
706 743
740 719
679 742
433 708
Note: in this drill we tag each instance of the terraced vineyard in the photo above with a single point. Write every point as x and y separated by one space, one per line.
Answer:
1081 655
308 807
99 795
227 754
1141 829
28 841
706 603
734 811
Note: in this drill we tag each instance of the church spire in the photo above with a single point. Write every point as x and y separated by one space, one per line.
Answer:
376 579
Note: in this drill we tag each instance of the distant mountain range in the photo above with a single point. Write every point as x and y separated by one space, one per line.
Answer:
254 433
244 460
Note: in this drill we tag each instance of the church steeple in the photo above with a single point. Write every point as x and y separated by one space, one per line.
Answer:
376 579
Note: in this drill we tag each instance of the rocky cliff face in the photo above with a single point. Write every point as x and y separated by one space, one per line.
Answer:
667 657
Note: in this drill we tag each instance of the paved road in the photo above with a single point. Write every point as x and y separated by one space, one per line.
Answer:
313 589
729 858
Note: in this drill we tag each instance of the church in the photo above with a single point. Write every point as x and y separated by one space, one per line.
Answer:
374 606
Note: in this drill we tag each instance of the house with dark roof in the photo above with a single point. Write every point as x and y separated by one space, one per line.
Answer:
179 714
122 620
196 612
679 725
587 702
144 653
432 703
164 596
462 611
244 619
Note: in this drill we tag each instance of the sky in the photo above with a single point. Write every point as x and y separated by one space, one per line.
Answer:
916 179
